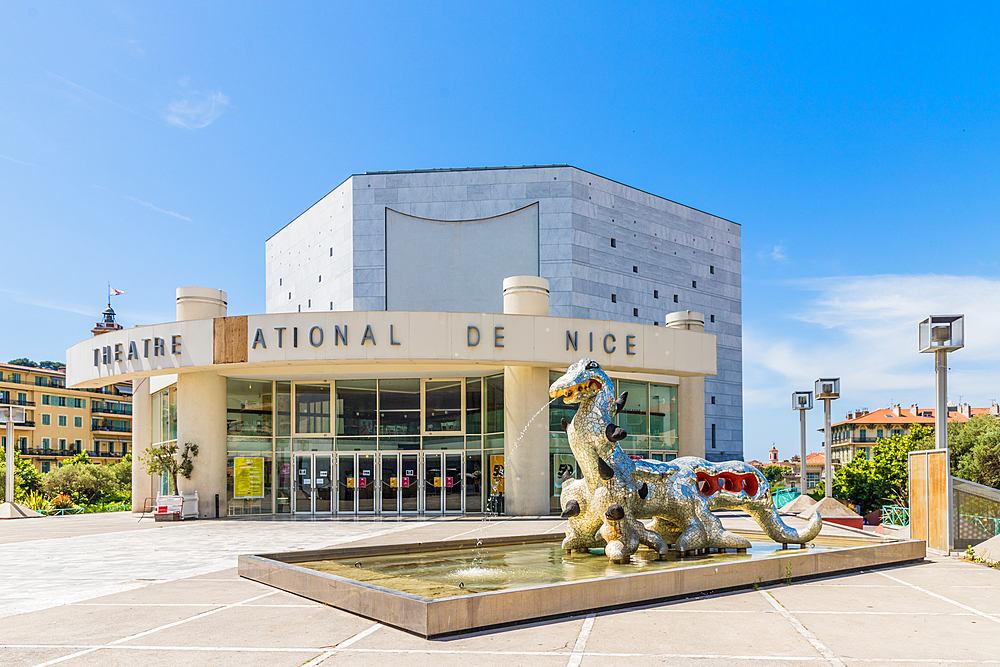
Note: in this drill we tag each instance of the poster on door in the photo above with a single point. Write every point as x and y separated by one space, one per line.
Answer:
496 474
248 477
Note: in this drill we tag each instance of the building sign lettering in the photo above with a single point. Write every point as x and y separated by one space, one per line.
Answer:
110 354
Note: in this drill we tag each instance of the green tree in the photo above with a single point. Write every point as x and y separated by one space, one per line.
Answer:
122 472
80 458
775 475
163 460
85 484
52 365
881 480
27 480
23 361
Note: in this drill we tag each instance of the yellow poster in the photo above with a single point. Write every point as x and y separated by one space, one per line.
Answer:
248 477
496 474
437 481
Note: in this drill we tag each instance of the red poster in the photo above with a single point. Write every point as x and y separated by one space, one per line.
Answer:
406 482
449 482
362 482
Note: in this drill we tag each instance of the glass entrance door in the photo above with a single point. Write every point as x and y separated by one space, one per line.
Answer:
399 483
356 484
443 483
313 484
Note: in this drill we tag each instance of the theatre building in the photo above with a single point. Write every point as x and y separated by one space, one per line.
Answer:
414 322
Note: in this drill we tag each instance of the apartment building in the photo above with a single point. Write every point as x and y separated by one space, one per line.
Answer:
61 422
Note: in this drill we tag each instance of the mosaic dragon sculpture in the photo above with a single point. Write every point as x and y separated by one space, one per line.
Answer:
605 507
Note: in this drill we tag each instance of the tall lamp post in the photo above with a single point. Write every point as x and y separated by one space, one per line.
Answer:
941 334
11 414
827 390
802 401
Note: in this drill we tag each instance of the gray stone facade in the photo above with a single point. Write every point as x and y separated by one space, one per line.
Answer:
666 257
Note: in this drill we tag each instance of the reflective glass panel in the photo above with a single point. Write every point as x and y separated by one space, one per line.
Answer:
366 482
312 408
357 402
474 483
494 404
345 484
283 408
634 417
248 407
394 443
473 405
323 484
283 475
432 483
443 405
399 407
389 483
452 482
663 410
409 481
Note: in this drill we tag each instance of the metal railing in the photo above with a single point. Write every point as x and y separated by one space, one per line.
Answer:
62 511
13 401
785 495
108 410
976 513
110 428
895 515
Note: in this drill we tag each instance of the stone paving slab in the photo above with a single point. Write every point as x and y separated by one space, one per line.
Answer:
187 606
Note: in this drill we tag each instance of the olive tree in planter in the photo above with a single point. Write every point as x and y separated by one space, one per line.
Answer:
163 460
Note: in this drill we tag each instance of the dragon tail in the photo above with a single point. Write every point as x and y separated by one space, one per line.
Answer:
779 531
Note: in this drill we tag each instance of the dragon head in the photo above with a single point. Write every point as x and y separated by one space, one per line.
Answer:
583 379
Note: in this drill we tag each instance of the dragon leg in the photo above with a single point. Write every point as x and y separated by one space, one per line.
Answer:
665 529
716 535
768 519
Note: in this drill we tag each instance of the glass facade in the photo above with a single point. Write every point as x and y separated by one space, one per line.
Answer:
362 446
649 418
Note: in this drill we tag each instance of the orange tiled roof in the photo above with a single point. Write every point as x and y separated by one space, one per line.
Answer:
888 416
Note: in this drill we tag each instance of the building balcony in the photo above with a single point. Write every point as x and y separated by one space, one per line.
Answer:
13 401
125 411
105 455
48 451
110 428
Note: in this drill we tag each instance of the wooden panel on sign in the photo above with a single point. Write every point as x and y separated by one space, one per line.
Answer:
231 340
937 494
918 496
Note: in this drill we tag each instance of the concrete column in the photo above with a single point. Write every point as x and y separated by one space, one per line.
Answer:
201 419
690 393
200 303
142 414
201 409
525 391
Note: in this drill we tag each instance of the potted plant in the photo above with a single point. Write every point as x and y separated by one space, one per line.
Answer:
163 460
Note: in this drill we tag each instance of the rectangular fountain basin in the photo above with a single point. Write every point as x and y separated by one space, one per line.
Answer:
447 587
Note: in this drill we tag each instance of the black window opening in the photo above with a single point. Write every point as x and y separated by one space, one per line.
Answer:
635 269
614 298
675 298
713 436
635 312
711 269
613 244
694 283
713 317
656 294
713 400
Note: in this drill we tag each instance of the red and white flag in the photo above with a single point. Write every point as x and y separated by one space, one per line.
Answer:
116 292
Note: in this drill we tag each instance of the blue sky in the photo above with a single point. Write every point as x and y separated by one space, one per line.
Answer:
159 144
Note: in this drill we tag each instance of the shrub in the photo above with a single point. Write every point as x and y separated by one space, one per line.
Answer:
61 502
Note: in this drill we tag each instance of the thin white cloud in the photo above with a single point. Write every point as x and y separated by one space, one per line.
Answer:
778 254
32 300
146 204
196 110
77 86
864 329
18 161
157 208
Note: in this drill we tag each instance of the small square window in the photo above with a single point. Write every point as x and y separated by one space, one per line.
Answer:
635 312
656 324
613 244
675 298
711 269
694 283
656 294
614 298
635 269
62 420
713 317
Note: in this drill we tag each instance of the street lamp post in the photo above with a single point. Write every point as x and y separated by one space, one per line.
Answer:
941 334
827 390
11 414
802 401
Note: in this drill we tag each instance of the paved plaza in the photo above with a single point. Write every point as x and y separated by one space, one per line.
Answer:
108 590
